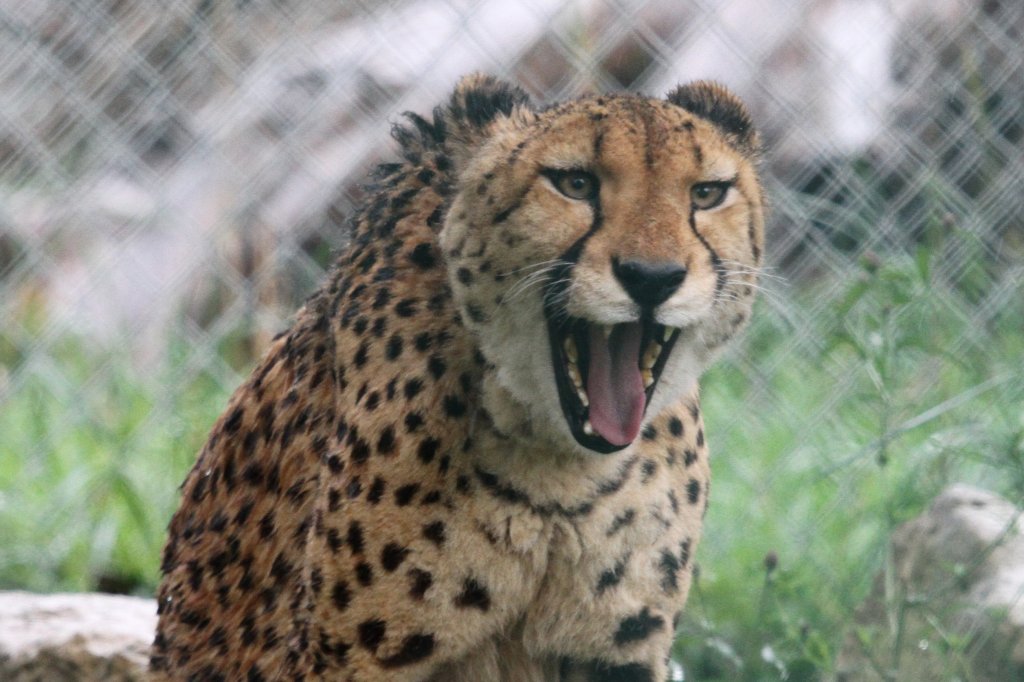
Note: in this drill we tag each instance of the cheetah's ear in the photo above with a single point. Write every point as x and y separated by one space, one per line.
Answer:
479 99
462 123
714 102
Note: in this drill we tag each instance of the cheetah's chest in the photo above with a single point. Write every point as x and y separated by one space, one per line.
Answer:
585 541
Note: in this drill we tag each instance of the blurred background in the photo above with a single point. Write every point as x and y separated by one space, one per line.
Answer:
175 175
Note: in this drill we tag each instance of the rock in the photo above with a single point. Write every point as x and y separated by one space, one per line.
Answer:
81 637
950 602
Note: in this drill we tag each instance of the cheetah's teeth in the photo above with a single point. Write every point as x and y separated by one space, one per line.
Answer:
666 334
651 356
648 377
570 349
588 428
574 374
583 397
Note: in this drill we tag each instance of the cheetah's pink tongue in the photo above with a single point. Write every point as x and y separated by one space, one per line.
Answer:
614 385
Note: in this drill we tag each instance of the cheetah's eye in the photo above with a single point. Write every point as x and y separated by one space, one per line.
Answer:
705 195
575 184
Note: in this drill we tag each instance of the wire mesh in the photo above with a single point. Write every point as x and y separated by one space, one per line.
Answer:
175 175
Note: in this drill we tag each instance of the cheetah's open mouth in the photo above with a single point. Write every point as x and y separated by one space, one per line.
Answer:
606 376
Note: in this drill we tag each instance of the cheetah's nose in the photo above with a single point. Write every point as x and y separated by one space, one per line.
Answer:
649 284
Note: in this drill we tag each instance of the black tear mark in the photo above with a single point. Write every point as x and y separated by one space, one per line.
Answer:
755 250
716 262
562 276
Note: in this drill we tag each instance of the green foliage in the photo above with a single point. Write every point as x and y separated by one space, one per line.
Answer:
91 454
826 433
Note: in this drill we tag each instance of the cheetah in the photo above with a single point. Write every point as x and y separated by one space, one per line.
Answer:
477 453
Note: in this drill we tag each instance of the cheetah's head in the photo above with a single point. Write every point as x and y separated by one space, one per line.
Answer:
602 249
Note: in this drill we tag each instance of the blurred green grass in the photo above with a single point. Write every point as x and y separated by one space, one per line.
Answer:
831 426
843 411
91 454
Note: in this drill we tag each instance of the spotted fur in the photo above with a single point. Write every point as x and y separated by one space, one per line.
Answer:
394 494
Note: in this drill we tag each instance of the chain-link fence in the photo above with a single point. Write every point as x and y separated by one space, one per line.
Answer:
175 175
